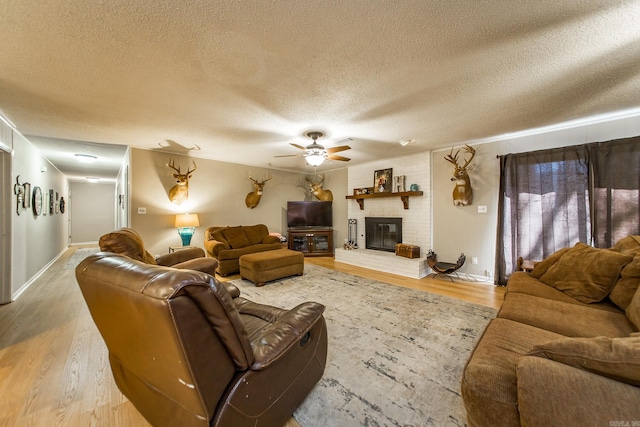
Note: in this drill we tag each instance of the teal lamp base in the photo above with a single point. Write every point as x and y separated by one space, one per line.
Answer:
186 233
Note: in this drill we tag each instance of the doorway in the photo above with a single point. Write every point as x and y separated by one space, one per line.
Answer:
5 226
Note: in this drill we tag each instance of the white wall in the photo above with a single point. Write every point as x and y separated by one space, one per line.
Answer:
217 192
92 210
36 240
416 221
462 229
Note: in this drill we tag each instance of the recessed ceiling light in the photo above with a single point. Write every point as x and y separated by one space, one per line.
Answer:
85 158
93 179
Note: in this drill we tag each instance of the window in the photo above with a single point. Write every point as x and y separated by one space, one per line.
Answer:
551 199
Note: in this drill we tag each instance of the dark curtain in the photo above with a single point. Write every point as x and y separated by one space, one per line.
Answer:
616 190
551 199
543 205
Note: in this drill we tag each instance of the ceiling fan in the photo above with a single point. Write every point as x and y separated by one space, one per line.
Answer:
315 154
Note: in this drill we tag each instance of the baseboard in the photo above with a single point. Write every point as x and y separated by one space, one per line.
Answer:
35 277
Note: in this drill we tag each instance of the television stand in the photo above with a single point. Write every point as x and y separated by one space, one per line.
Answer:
311 241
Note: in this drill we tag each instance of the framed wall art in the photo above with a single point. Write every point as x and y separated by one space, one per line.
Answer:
382 181
37 201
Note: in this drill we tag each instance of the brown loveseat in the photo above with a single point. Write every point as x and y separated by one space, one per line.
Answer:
228 244
564 349
186 353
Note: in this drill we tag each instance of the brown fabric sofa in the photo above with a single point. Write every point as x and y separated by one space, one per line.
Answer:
564 348
185 353
228 244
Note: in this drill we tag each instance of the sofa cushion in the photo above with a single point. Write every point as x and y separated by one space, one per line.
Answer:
235 237
218 235
489 381
256 233
522 283
541 267
616 358
570 320
586 273
633 309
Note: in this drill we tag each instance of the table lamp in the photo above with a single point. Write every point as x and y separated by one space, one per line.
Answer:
186 225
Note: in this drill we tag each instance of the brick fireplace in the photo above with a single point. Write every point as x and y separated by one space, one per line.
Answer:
415 221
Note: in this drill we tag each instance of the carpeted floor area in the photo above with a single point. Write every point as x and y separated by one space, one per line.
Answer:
395 354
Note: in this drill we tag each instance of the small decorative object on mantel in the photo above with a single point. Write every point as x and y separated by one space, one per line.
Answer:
398 184
413 187
382 181
407 251
462 193
359 191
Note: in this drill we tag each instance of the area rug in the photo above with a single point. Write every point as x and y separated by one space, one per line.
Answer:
78 256
395 354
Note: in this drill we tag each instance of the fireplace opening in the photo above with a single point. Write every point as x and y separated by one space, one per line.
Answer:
382 233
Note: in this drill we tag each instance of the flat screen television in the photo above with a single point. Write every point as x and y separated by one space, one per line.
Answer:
309 214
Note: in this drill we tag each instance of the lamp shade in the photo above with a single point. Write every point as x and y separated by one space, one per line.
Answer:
187 220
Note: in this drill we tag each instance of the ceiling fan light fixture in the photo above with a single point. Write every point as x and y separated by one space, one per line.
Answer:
315 159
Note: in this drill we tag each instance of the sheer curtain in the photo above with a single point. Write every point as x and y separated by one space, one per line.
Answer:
616 190
550 199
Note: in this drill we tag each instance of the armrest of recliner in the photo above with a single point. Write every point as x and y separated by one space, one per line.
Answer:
179 256
276 339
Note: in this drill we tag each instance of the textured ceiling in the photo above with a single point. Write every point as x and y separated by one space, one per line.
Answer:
240 80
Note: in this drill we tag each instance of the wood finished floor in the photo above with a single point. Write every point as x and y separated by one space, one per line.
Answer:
54 368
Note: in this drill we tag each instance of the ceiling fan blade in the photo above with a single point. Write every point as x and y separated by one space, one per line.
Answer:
298 146
337 149
291 155
334 157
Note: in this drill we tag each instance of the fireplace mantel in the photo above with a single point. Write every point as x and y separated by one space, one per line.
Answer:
404 196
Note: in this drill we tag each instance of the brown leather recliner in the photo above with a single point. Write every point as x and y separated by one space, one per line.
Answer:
187 354
127 241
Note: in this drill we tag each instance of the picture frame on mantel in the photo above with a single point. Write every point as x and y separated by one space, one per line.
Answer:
383 181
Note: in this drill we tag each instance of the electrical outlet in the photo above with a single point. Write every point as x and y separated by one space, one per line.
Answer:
142 211
482 209
474 260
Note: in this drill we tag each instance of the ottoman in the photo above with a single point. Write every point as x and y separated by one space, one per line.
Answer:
261 267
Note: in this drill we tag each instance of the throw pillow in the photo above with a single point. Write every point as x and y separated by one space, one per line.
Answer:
585 273
623 291
219 235
616 358
236 238
633 310
540 268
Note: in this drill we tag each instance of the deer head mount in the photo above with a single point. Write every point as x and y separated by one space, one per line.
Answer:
316 189
462 192
179 193
254 197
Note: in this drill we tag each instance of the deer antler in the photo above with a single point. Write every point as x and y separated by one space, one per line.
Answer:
472 151
190 170
172 166
452 158
259 182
